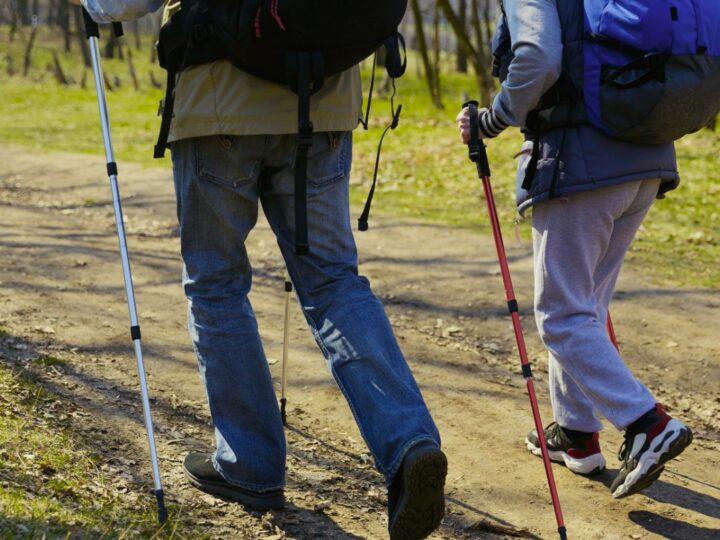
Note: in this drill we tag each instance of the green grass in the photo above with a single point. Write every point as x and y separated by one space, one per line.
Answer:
51 483
424 170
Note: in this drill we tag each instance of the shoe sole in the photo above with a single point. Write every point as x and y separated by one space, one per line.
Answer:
260 502
422 507
675 438
589 466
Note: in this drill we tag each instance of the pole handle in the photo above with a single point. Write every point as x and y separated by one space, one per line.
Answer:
91 27
476 147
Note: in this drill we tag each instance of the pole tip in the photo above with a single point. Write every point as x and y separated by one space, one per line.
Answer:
162 510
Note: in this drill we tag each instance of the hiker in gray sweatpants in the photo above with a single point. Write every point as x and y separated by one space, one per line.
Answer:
589 195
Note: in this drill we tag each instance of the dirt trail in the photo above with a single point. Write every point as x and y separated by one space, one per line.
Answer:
61 291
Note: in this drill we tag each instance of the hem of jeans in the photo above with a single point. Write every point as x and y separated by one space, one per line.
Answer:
259 488
397 462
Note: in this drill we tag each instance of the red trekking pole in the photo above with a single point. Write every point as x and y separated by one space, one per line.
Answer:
478 154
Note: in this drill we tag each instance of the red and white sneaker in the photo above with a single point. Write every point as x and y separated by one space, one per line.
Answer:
579 454
651 441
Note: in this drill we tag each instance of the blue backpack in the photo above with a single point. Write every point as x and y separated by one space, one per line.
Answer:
651 70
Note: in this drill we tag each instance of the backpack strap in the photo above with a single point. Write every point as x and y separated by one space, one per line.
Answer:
167 113
175 53
395 65
363 219
305 73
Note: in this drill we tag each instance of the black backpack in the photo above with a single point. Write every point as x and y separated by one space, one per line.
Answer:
293 42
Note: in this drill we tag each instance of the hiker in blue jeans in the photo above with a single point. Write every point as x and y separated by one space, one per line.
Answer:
233 147
589 194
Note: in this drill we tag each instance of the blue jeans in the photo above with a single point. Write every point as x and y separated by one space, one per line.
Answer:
219 181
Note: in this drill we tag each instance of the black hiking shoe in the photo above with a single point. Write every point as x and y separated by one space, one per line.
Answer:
650 442
580 452
416 499
201 473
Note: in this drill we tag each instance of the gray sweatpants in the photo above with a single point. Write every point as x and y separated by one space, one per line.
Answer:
579 245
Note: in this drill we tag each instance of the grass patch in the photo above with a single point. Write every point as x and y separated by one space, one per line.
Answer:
424 170
47 360
51 484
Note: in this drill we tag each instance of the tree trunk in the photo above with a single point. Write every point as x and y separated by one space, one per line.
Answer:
423 50
112 45
63 19
136 34
58 70
476 59
14 19
486 84
28 50
461 63
131 68
436 56
23 12
10 69
80 33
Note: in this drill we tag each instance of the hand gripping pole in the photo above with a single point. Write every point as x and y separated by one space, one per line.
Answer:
478 154
92 33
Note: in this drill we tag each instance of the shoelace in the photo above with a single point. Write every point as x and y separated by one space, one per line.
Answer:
622 454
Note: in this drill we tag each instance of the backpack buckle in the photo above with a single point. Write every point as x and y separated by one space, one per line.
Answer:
305 134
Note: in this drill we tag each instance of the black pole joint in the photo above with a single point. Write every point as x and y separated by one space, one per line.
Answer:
135 332
288 286
513 306
112 169
283 414
527 371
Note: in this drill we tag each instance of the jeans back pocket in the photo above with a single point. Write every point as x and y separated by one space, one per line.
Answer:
223 160
329 159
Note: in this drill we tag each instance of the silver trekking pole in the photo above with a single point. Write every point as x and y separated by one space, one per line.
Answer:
92 33
286 343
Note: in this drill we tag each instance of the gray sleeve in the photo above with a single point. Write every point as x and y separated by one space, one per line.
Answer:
537 47
104 11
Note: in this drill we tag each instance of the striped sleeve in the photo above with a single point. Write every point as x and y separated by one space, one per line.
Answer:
490 124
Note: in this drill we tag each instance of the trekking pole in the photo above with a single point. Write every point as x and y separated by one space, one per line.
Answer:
286 342
92 33
478 154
